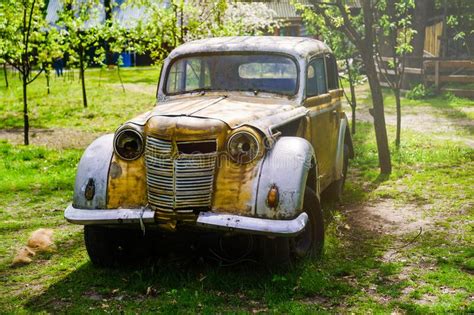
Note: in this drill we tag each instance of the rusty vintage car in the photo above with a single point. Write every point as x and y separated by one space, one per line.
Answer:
246 135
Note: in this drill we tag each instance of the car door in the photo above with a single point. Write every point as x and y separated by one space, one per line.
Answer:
336 95
323 116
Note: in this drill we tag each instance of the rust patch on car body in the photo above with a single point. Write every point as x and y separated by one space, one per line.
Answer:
126 188
115 170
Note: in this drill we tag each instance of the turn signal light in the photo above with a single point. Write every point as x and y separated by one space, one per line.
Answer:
273 197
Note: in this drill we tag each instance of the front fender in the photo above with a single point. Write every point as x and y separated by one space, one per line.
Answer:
286 166
94 168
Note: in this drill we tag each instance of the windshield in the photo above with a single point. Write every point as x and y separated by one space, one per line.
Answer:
233 72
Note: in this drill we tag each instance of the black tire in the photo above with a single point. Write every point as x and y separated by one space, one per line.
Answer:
276 252
110 247
335 190
282 251
310 243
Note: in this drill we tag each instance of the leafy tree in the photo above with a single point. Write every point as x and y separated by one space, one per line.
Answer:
360 29
50 48
167 26
22 28
7 34
395 32
79 22
342 49
460 19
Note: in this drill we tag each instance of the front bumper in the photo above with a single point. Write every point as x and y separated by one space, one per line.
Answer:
206 220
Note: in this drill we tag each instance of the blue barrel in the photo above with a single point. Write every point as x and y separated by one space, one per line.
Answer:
126 59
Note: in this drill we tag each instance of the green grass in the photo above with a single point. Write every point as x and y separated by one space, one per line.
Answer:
432 273
108 105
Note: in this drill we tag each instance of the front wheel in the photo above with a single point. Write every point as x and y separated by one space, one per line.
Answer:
282 251
334 191
111 247
311 241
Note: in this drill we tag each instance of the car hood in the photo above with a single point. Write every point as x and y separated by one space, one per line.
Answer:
235 111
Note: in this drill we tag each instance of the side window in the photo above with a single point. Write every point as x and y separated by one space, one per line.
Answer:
197 74
176 77
316 78
333 78
188 74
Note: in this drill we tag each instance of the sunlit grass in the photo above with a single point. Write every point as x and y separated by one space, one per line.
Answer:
108 105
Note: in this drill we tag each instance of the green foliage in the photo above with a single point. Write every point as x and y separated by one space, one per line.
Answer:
460 20
419 91
21 29
395 23
79 29
167 26
315 24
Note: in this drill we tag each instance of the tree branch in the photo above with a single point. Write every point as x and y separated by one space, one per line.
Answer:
380 63
347 22
353 37
37 75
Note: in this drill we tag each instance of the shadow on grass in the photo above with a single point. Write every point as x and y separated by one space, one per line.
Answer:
184 281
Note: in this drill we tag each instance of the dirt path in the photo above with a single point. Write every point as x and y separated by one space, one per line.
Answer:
385 217
58 138
444 124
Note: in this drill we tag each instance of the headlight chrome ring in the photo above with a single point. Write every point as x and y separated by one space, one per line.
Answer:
243 147
129 144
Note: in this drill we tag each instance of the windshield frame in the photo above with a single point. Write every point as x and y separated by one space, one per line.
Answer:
233 52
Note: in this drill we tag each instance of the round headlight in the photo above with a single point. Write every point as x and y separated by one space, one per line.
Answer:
129 144
243 147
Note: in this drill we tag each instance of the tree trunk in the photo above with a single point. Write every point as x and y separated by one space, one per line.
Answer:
379 116
83 80
26 123
353 102
120 78
5 74
396 92
353 107
47 80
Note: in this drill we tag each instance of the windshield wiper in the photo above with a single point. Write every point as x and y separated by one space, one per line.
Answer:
202 91
255 91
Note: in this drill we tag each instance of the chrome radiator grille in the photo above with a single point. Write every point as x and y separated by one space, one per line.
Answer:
178 179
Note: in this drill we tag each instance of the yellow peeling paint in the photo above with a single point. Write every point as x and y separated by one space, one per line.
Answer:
234 187
127 184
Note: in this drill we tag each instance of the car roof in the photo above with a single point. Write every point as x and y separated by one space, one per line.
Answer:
299 47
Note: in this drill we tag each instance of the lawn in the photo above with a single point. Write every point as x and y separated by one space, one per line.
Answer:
108 105
376 257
